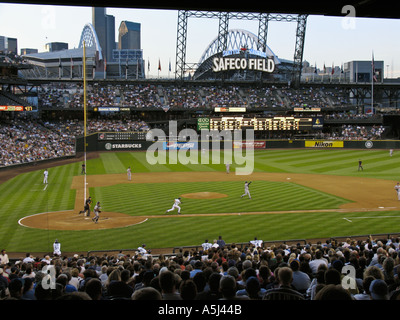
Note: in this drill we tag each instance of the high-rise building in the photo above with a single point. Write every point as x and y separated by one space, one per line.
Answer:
129 35
8 44
56 46
105 29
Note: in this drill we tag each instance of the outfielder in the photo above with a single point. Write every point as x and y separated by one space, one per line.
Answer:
45 176
246 190
397 188
96 210
176 206
129 173
227 165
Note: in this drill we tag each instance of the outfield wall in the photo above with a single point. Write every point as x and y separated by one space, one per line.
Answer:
94 144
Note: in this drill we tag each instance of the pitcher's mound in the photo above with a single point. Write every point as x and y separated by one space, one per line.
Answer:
204 195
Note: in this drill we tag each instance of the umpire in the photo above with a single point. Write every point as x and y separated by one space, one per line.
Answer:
86 208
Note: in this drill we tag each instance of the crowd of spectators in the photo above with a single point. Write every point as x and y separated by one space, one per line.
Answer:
26 140
355 132
57 95
350 270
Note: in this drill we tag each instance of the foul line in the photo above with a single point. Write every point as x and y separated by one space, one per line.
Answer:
380 217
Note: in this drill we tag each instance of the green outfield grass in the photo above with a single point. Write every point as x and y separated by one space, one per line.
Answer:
25 195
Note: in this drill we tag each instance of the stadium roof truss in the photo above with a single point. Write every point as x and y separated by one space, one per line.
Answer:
223 41
89 36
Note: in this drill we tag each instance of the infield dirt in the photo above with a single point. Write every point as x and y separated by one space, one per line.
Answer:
365 194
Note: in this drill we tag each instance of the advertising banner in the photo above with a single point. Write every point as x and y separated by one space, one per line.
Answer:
246 144
180 145
323 144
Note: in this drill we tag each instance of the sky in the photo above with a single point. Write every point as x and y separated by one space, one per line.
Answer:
328 40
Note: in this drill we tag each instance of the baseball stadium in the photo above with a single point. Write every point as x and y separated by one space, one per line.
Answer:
241 146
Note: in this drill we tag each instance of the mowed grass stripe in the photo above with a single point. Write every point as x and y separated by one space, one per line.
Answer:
141 199
174 231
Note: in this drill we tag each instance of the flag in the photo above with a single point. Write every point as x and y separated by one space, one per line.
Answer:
333 69
315 69
341 69
324 68
159 65
148 65
169 65
373 69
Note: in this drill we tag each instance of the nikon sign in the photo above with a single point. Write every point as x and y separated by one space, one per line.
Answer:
256 64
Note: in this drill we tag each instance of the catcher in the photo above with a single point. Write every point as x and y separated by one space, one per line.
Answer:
96 210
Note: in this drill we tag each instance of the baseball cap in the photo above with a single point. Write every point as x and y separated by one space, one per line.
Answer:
379 290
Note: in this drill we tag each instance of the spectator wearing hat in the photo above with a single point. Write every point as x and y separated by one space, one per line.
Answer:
379 290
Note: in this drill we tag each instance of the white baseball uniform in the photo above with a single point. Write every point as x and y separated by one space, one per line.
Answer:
397 188
45 176
246 189
129 173
176 206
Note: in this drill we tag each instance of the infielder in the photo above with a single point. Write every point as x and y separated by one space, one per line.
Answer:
176 206
96 210
397 188
246 190
45 176
227 165
129 173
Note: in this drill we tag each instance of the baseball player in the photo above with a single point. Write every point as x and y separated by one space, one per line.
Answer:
397 188
360 167
96 210
175 206
227 166
129 173
206 245
86 208
45 176
257 243
57 248
246 190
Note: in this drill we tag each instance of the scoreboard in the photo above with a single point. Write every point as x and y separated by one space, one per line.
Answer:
262 124
17 108
121 136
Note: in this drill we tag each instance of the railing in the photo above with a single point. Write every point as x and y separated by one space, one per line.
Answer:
242 245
